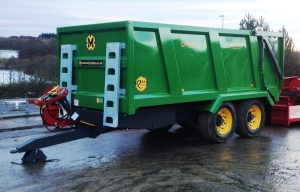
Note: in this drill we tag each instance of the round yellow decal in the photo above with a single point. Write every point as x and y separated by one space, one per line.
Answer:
141 83
90 42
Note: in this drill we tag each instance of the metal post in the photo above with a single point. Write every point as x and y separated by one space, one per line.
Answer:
222 19
27 108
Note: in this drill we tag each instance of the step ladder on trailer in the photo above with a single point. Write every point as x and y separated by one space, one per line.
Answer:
112 92
66 59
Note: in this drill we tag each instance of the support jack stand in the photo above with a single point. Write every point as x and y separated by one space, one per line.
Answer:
32 147
34 156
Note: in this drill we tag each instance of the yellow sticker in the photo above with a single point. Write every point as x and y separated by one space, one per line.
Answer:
141 83
90 42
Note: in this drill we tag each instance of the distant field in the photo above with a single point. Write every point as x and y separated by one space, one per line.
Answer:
8 53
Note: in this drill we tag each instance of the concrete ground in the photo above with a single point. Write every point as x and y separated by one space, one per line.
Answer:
20 122
137 160
23 117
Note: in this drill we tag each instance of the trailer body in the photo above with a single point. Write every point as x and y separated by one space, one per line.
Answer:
163 65
143 75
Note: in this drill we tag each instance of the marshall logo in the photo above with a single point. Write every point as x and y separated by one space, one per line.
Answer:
90 42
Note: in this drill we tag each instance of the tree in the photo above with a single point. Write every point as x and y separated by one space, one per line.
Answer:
34 70
44 68
249 22
11 63
262 24
10 76
291 57
288 41
47 35
32 48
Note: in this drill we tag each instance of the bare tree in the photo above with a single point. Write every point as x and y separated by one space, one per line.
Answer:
10 76
288 41
291 57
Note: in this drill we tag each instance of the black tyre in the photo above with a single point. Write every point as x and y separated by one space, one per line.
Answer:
161 130
251 118
218 127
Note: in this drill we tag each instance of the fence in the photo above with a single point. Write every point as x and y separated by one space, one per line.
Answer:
19 106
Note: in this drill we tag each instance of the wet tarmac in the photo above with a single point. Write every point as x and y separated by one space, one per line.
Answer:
137 160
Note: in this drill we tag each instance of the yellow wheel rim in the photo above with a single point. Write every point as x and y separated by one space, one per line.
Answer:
254 117
224 121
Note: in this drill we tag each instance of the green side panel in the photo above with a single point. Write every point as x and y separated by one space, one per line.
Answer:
254 56
194 62
237 63
89 64
217 61
177 65
149 63
170 61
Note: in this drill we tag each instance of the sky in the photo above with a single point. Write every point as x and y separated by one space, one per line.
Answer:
31 18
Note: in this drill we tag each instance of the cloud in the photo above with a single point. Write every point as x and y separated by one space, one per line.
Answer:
35 17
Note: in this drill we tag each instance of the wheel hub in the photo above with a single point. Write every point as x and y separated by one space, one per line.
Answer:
250 117
254 117
224 121
219 120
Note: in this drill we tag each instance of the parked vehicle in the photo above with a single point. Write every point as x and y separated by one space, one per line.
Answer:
149 76
286 110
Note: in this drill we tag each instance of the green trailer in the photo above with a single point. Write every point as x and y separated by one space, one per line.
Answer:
150 76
